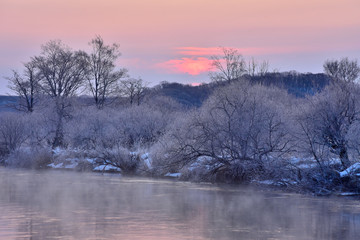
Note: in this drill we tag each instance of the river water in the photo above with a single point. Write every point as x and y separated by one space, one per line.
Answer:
71 205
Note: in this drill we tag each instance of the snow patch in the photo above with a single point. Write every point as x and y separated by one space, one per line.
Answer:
174 175
53 165
307 165
107 168
147 160
350 170
348 194
90 160
266 182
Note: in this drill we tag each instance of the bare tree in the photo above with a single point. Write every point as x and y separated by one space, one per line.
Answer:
12 131
263 68
133 89
308 135
228 67
328 119
255 68
342 70
235 129
26 86
103 77
62 73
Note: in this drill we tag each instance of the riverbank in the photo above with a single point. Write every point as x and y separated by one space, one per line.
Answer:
306 181
291 175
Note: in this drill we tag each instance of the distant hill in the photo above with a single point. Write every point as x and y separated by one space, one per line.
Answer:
184 94
297 84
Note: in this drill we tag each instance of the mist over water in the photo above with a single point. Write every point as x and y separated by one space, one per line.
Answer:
70 205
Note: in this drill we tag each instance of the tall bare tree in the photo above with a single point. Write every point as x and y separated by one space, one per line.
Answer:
103 77
254 68
133 89
26 86
62 73
235 130
342 70
227 67
328 120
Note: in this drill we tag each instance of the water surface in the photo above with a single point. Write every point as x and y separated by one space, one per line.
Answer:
70 205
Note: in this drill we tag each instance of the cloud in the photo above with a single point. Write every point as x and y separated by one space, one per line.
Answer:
197 60
195 84
210 51
250 51
198 51
192 66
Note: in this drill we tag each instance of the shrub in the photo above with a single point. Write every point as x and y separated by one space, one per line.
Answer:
37 158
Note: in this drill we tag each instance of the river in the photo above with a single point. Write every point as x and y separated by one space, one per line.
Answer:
72 205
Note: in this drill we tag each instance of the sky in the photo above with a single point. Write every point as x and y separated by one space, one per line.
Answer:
173 40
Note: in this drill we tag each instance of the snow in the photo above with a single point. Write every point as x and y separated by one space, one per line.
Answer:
174 175
348 194
107 168
147 160
90 160
53 165
57 151
69 163
148 163
71 166
202 161
266 182
307 165
350 170
281 182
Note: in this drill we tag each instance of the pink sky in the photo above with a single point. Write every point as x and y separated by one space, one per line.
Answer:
173 40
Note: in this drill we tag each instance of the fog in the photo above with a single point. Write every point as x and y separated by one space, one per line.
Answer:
56 204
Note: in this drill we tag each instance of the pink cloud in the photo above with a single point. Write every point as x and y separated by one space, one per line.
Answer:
192 66
197 60
198 51
251 51
210 51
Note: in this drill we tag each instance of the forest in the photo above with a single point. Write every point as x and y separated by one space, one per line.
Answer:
78 110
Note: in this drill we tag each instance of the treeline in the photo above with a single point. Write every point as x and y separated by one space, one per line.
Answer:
241 129
297 84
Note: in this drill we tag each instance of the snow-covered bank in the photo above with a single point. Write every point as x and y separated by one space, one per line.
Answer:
353 170
298 174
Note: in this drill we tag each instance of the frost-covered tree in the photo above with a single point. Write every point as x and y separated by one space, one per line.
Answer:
13 132
62 73
231 65
133 89
103 78
328 118
235 128
255 68
342 70
26 86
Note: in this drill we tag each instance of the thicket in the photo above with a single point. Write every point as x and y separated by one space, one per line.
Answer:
242 131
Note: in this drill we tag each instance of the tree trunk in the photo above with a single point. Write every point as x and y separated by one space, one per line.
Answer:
59 132
344 158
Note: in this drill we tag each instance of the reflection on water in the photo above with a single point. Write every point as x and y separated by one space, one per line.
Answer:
68 205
